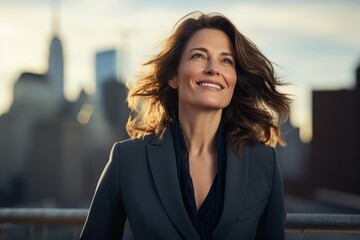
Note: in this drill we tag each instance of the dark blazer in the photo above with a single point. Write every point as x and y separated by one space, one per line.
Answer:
140 183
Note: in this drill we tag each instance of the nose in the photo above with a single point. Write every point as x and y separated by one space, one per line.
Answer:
212 68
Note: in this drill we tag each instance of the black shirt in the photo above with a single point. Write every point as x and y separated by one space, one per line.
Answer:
209 213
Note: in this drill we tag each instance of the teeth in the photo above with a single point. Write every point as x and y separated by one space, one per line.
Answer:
210 85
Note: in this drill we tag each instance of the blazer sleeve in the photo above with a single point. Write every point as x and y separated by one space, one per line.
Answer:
272 222
106 217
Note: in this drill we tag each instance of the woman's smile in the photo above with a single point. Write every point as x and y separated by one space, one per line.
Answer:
210 84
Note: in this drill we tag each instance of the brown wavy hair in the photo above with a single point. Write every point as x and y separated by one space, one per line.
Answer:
256 110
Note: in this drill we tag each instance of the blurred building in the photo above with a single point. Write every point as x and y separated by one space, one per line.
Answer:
335 148
52 151
55 72
294 162
110 110
115 107
294 156
36 97
106 68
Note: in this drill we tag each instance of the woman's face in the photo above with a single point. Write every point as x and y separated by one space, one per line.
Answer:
206 75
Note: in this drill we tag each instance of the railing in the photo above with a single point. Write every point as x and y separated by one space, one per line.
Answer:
41 222
75 218
311 222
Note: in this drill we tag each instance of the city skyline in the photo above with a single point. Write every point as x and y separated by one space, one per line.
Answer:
316 44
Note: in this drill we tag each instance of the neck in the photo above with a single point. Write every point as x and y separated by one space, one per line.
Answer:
199 131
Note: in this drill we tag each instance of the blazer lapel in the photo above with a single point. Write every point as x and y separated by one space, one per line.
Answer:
235 189
162 160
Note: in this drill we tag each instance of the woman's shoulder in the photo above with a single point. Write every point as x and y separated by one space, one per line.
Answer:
134 143
261 150
263 162
262 155
130 152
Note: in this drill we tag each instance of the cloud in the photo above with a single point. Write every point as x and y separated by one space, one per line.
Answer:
335 21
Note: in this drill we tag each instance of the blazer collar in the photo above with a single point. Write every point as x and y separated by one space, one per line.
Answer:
162 161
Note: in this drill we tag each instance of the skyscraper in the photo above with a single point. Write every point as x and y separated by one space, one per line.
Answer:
106 69
55 72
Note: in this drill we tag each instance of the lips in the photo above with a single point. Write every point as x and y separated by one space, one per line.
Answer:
211 84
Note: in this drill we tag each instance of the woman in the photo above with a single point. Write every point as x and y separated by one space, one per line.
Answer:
198 165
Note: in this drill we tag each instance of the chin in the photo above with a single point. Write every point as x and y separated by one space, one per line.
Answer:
213 106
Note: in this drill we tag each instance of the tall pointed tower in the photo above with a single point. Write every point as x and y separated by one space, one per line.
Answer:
55 72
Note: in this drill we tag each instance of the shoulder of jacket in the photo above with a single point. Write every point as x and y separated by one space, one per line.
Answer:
136 142
262 156
260 149
145 139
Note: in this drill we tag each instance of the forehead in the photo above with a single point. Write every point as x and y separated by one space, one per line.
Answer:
211 39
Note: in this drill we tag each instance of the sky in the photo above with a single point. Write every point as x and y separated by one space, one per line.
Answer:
315 44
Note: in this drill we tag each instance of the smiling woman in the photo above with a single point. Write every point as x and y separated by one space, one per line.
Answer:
256 109
198 165
206 76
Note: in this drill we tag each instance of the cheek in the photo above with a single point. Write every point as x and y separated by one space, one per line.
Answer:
189 71
231 78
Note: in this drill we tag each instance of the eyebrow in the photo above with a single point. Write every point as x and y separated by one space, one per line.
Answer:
205 50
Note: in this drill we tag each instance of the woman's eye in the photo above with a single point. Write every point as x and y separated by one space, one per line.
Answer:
228 61
198 55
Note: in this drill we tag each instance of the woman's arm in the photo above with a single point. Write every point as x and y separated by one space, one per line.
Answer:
106 216
272 222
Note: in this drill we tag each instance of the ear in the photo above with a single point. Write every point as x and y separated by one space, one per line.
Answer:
173 82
